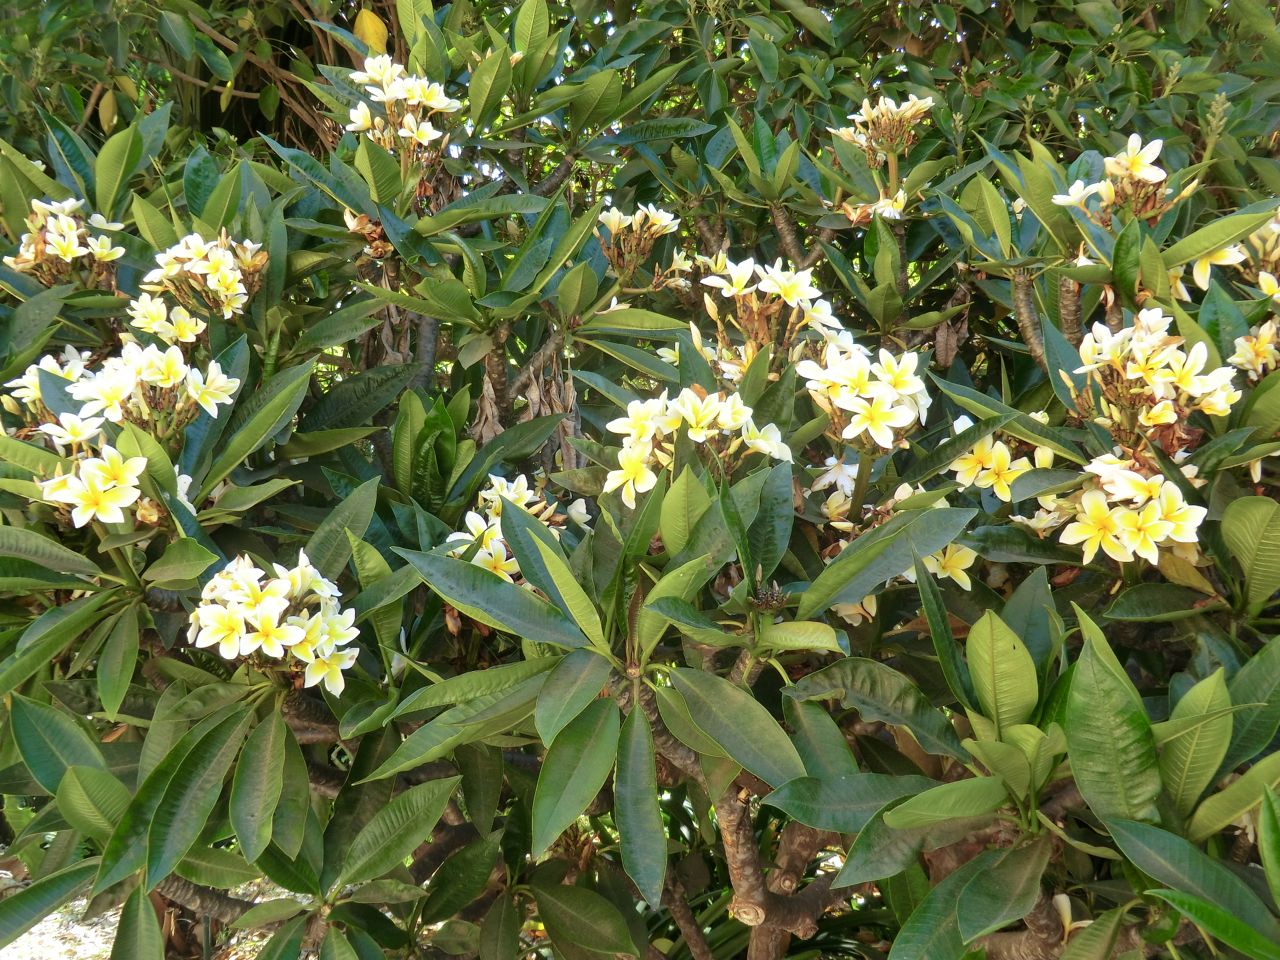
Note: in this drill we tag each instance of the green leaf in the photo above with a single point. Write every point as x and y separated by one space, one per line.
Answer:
329 549
970 797
257 785
881 554
1215 236
683 505
28 545
1221 924
932 932
879 692
1003 893
641 834
341 326
500 929
118 660
1003 673
47 636
843 804
1188 763
183 559
682 583
1253 727
1109 738
115 164
486 597
954 669
92 800
461 878
138 934
1235 800
732 718
1097 940
1269 841
257 419
1251 527
21 911
50 742
576 767
574 683
490 81
1176 863
190 796
396 830
576 917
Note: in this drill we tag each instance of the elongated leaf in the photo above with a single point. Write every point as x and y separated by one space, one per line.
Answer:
1188 763
50 742
582 919
879 692
396 830
576 767
570 687
682 583
329 549
1257 682
1235 800
1221 233
190 796
1004 893
92 800
29 545
1109 738
843 804
486 597
47 636
732 718
1173 861
971 797
257 785
641 833
1221 924
1003 673
1269 841
1097 940
932 932
138 934
880 555
21 911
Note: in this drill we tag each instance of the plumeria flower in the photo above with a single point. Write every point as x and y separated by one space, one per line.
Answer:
878 417
1002 472
1226 257
1136 160
1076 194
643 419
210 389
735 279
223 627
182 327
891 208
65 246
969 466
103 251
733 413
327 665
898 374
419 131
361 118
952 561
1184 519
698 414
1097 527
91 501
1140 531
495 560
632 476
843 476
818 315
112 469
99 222
793 286
1269 285
766 440
615 221
269 634
71 430
654 221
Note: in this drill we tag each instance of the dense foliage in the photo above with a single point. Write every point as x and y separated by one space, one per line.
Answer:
694 481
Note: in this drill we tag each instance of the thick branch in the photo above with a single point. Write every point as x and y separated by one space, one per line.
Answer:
539 359
1024 311
1069 309
203 900
674 898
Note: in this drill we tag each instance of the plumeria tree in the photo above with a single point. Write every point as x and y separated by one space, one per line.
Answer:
691 481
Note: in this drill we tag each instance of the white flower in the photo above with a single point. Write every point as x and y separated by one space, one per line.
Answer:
615 221
1076 194
210 389
1136 161
361 118
735 280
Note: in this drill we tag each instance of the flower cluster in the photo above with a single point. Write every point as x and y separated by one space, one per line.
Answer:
1148 384
649 428
1126 513
885 127
59 243
405 105
870 401
99 488
207 276
293 616
484 525
629 238
1133 181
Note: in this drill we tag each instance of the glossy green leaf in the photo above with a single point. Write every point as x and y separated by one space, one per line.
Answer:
641 833
576 767
396 830
257 784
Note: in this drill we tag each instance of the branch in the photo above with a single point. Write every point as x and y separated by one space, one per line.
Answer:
539 359
204 901
787 236
674 899
1024 311
310 720
1069 309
